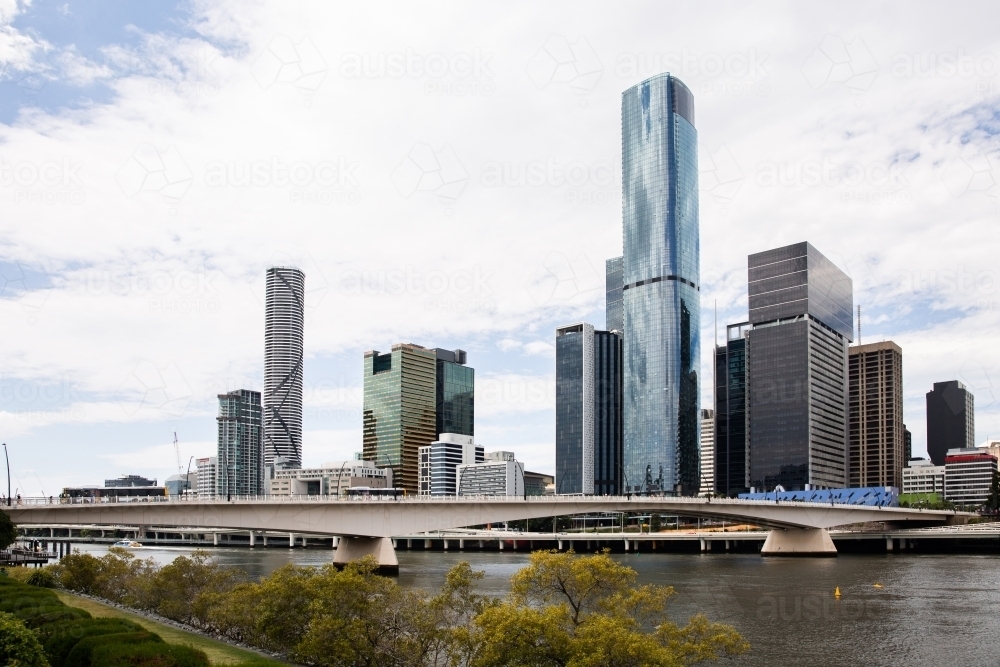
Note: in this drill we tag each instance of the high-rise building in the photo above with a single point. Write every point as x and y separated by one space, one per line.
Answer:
588 410
455 393
907 444
439 460
876 434
241 450
922 476
660 287
801 309
951 419
707 452
613 304
732 454
284 312
399 411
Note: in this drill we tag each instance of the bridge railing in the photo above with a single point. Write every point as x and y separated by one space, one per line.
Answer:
38 501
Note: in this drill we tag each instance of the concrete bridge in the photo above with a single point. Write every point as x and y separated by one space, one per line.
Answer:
366 525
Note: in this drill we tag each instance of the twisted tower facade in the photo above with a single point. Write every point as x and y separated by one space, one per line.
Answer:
283 334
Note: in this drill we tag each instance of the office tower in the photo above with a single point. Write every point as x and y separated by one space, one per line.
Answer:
950 419
801 310
660 291
588 410
499 474
876 434
283 330
732 455
968 476
707 453
439 460
613 286
241 450
455 393
399 412
207 476
907 444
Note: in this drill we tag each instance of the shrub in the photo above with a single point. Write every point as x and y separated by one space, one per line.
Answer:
82 654
42 578
148 655
18 645
59 639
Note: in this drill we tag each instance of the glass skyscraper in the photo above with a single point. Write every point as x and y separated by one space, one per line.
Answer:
588 411
731 451
660 292
455 393
240 464
614 283
801 309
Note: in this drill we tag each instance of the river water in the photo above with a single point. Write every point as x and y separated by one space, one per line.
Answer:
930 610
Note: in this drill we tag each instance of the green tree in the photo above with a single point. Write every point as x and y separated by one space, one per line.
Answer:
19 646
569 611
8 531
993 501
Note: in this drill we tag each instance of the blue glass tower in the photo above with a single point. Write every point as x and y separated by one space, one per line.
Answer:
661 301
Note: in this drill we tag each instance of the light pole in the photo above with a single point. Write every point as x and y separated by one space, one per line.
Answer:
8 472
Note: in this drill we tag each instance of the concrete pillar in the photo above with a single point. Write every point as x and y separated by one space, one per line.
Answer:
215 539
889 545
799 542
428 544
626 545
727 545
461 545
560 544
588 546
291 540
409 544
514 544
531 545
482 545
501 544
263 538
355 548
445 544
52 532
336 541
253 538
902 544
704 545
394 545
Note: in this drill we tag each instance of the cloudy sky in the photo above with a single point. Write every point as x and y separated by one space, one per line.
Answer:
449 175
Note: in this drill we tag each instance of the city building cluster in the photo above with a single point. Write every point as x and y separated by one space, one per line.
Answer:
798 405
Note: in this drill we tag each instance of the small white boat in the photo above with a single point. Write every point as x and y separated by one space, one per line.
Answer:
127 544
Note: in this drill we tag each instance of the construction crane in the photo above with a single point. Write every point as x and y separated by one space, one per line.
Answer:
177 451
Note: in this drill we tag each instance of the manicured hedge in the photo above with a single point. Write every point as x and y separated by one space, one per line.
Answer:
70 637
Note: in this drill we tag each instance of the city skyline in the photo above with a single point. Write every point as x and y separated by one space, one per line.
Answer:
136 241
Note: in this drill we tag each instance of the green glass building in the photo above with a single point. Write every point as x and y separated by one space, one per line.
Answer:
455 401
399 410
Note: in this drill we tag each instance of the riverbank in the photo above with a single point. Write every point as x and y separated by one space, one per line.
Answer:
219 652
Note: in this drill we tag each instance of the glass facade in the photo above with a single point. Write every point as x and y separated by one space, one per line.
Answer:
801 309
240 462
455 393
660 293
731 451
575 409
399 409
613 285
950 419
607 413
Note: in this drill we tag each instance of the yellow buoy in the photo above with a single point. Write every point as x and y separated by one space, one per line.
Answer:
877 585
836 592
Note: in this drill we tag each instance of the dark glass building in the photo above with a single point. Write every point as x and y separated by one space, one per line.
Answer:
240 469
951 421
876 434
801 313
660 292
454 393
588 411
613 290
731 452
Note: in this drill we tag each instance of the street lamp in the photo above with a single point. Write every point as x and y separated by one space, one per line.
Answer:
8 472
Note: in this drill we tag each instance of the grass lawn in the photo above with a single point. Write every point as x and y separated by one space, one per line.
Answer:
218 652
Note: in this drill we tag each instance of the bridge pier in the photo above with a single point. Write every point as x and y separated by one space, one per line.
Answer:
799 542
356 548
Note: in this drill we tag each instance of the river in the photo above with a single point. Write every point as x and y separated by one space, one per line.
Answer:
928 610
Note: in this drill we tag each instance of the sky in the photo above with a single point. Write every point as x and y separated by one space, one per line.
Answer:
450 175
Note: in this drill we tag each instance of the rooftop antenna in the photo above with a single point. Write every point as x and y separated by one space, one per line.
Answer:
859 324
715 306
